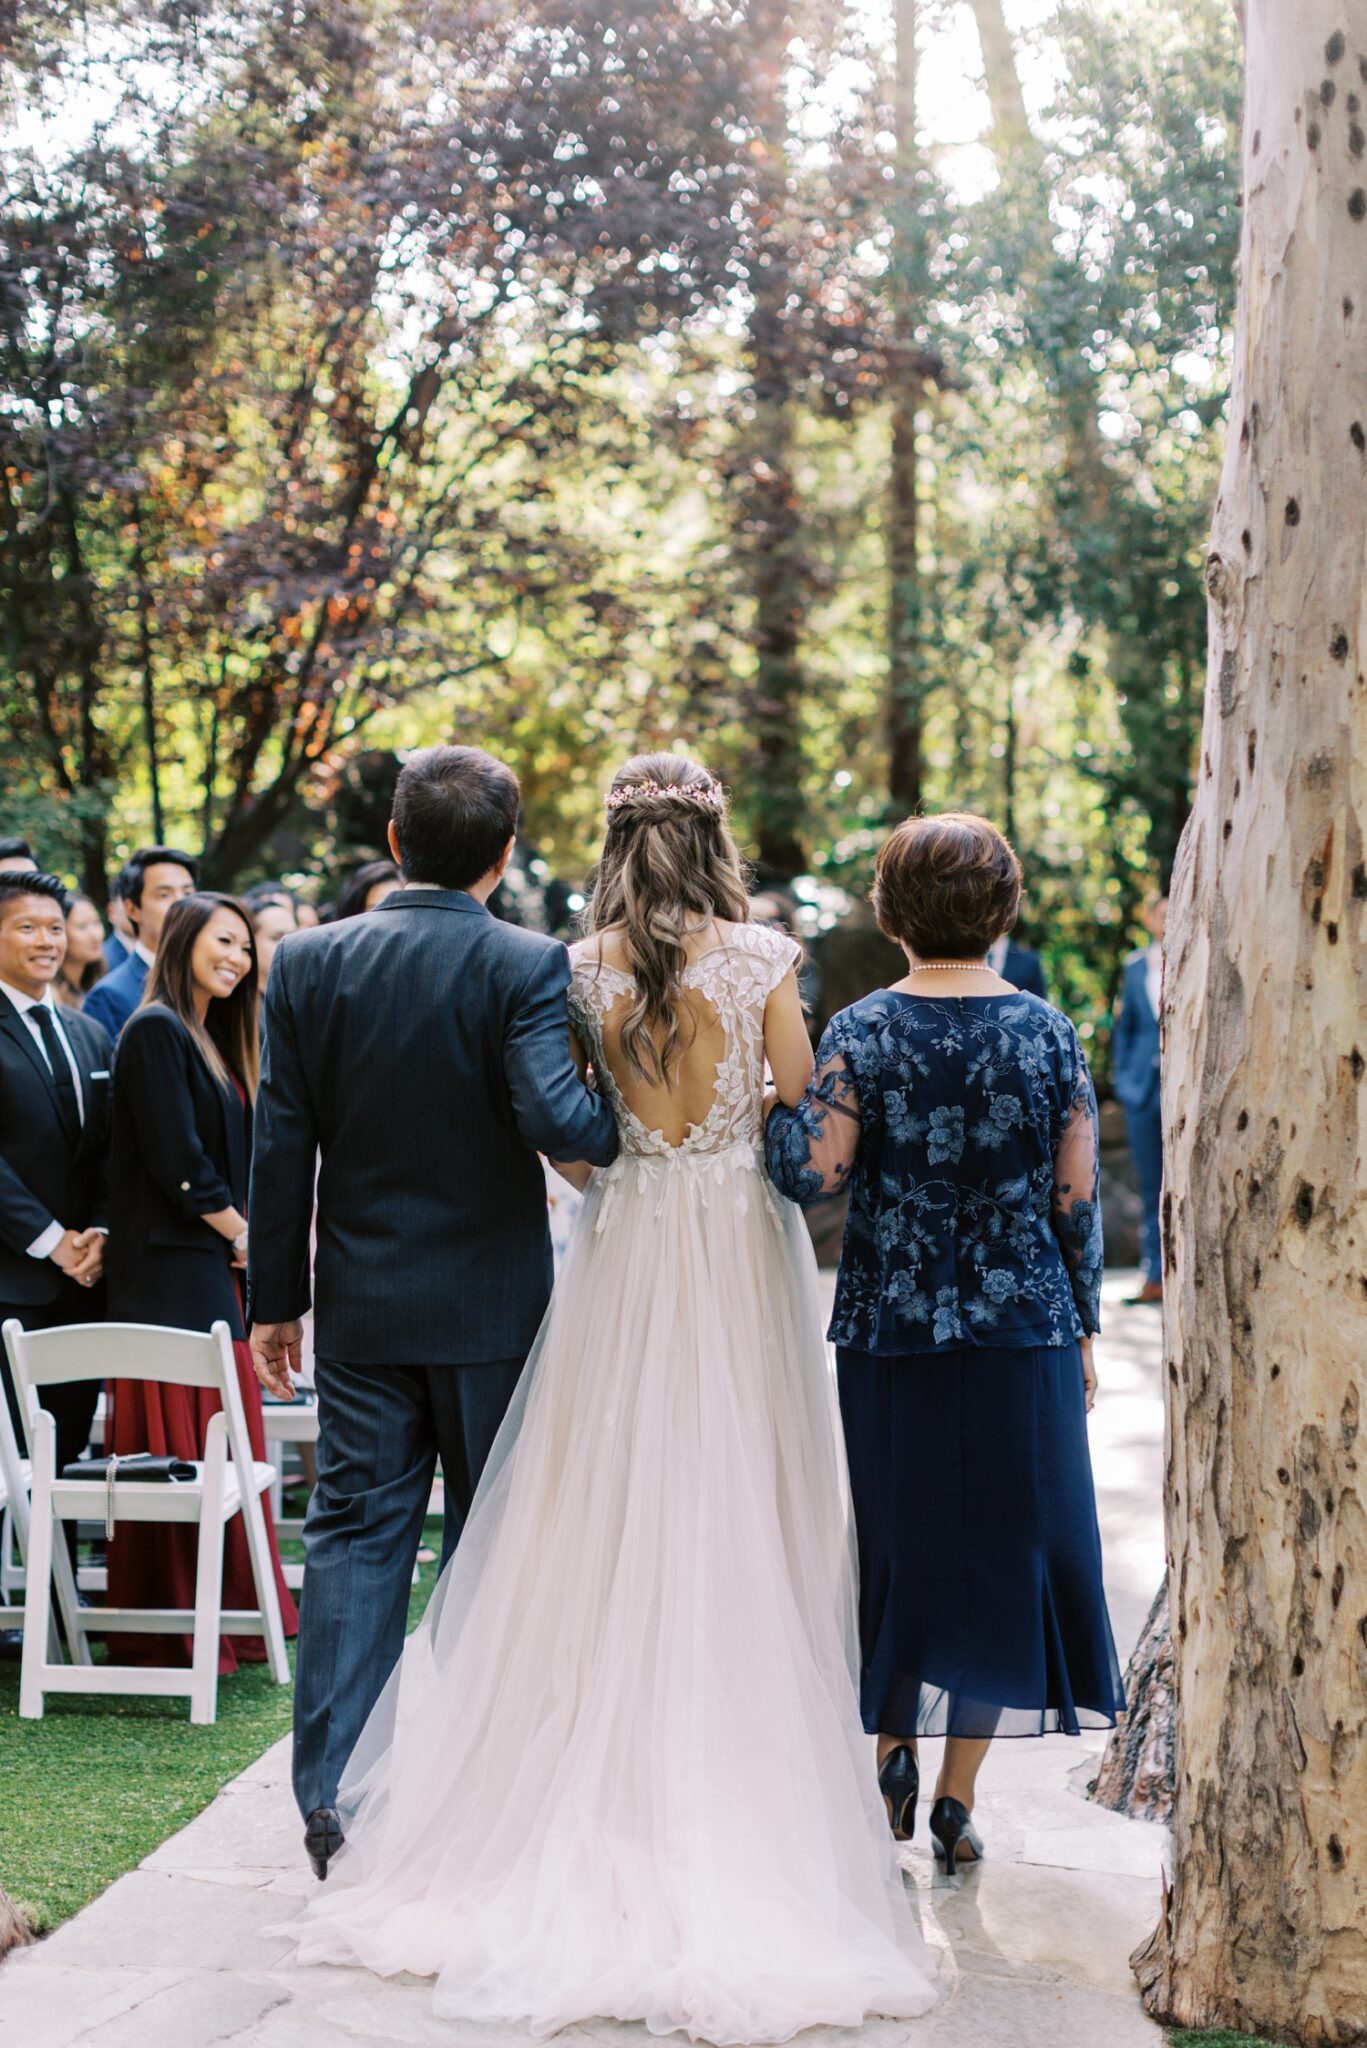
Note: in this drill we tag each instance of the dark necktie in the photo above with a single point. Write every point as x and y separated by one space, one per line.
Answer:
61 1070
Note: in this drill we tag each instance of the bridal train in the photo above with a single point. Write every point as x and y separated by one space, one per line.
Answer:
619 1771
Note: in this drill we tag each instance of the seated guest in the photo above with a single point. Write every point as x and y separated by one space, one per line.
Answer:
84 964
119 939
54 1124
180 1154
157 878
368 887
16 858
961 1116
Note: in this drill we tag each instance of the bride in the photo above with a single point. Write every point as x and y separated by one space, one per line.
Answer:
619 1771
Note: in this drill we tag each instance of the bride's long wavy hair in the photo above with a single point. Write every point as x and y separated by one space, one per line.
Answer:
668 860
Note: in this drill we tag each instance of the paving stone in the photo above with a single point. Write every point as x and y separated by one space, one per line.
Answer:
209 2008
1082 1927
164 1922
987 2013
47 2004
1123 1850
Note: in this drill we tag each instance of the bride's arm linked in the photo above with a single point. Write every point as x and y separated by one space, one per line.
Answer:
577 1172
811 1138
555 1112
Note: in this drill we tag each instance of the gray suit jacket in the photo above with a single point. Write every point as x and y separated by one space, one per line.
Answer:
423 1050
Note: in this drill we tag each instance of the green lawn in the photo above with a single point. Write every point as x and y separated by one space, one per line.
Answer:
1217 2040
94 1786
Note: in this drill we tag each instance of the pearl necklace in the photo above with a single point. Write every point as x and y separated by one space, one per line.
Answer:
951 967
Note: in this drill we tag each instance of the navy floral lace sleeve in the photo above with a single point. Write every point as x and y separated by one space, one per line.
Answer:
966 1132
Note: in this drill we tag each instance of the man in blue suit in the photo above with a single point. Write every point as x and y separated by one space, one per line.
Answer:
156 877
1137 1081
1019 965
422 1051
118 944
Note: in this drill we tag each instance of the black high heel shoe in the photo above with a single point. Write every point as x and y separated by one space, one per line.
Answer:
950 1824
899 1781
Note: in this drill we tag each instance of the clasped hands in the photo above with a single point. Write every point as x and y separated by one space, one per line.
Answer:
81 1255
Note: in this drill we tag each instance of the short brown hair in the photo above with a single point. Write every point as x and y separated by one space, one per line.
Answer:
946 886
455 809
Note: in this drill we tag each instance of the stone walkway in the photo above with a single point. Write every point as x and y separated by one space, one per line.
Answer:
1033 1947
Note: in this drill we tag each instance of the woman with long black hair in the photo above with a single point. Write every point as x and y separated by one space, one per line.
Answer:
180 1154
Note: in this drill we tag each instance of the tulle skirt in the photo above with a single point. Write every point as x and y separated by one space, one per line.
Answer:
619 1772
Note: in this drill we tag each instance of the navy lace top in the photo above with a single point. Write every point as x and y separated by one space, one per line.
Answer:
966 1131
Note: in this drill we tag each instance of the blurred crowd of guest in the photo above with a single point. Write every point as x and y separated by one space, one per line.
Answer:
129 1050
128 1069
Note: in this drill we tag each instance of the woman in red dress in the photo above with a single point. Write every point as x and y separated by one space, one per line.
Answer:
180 1155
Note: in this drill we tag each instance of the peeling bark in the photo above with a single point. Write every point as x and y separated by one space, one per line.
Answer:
1265 1929
15 1931
1136 1774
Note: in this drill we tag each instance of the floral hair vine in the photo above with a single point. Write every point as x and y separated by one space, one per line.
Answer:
708 796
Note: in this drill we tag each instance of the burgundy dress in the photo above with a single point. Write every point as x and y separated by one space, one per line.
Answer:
152 1564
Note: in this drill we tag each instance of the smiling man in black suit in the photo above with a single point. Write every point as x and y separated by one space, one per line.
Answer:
54 1122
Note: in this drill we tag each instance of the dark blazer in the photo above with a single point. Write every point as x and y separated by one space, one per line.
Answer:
180 1149
113 1000
1135 1076
423 1049
1023 967
47 1174
115 952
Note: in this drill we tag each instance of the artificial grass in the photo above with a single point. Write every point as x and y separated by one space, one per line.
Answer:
97 1784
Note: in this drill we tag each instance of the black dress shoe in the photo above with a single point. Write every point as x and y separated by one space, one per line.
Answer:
323 1837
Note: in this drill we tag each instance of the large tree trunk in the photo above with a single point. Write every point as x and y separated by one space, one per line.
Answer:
906 679
1266 1035
1135 1777
15 1931
770 510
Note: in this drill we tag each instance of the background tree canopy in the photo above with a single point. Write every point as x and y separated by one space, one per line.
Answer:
594 373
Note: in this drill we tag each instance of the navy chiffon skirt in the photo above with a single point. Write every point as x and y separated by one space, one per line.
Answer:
981 1607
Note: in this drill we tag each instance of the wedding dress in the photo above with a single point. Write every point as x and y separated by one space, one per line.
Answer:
619 1771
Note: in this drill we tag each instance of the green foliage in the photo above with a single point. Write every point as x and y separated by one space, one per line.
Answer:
97 1784
527 378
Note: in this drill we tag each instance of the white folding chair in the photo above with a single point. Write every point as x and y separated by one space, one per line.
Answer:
219 1490
16 1480
289 1422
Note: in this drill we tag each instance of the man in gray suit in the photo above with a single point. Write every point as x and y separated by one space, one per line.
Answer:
422 1051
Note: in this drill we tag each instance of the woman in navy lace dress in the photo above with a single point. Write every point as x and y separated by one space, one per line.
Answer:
960 1114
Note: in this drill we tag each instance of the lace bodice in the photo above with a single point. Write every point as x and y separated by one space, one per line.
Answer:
736 977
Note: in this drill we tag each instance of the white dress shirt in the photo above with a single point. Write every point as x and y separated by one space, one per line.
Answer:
1153 979
44 1246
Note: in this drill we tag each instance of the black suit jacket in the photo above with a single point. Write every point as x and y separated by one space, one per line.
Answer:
423 1050
47 1174
180 1149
